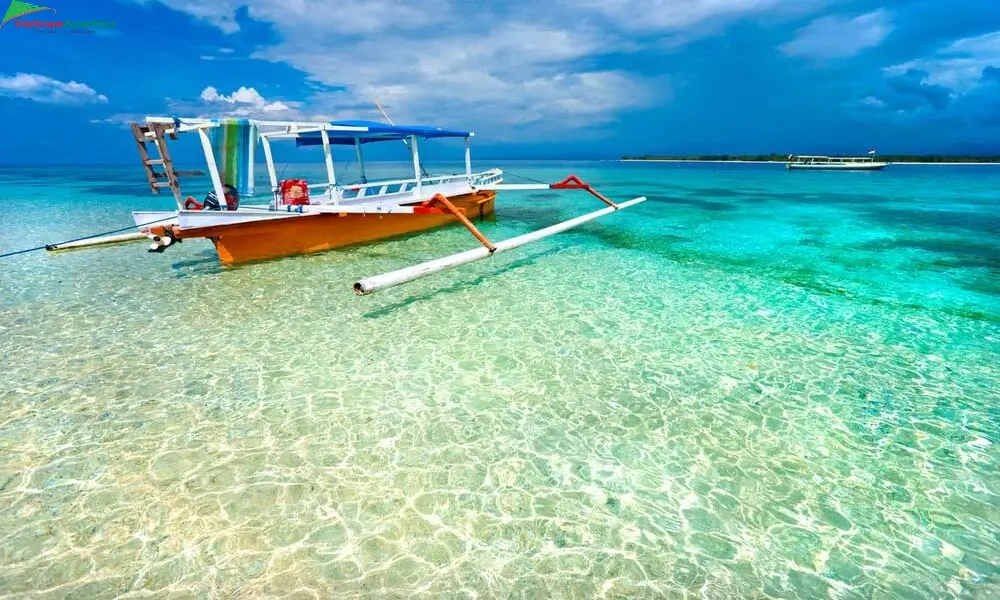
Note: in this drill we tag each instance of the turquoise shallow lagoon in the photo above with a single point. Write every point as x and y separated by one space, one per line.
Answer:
758 384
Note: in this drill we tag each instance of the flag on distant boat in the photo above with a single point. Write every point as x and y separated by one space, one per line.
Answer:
233 143
872 151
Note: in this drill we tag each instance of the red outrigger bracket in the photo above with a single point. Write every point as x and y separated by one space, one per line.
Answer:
440 205
574 183
426 208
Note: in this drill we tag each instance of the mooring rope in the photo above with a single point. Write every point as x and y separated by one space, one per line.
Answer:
86 237
526 178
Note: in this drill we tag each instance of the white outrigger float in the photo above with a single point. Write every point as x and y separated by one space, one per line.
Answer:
301 217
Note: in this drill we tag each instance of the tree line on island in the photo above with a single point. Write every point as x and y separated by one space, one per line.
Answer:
897 158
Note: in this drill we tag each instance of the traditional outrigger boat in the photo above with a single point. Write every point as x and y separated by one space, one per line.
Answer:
302 217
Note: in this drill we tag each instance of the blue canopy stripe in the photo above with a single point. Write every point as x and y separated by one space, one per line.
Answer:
376 132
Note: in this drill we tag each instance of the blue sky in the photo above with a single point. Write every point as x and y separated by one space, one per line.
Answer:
574 79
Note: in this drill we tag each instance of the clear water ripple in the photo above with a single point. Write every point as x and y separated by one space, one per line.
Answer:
760 385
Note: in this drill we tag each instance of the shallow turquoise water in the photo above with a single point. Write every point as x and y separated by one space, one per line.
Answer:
758 384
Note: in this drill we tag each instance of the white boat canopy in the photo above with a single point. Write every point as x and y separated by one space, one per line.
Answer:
304 133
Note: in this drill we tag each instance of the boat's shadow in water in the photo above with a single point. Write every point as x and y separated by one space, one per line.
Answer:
463 285
208 264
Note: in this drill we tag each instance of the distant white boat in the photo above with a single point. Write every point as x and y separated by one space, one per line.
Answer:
835 163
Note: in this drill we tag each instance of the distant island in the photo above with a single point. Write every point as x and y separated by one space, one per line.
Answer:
893 158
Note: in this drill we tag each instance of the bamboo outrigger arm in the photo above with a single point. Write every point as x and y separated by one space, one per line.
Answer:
404 275
460 215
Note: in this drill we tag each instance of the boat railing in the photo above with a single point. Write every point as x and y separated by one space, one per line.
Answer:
400 187
803 159
379 188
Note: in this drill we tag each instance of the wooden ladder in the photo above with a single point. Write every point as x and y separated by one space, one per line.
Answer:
167 178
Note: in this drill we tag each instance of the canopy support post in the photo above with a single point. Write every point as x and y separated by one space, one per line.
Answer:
254 134
331 176
468 160
213 169
416 161
271 173
361 160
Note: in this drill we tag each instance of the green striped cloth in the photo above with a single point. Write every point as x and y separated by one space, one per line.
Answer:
233 143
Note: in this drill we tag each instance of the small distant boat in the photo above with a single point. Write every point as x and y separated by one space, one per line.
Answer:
835 163
299 217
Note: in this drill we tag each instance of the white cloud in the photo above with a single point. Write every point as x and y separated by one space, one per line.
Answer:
840 37
513 74
872 102
959 65
243 102
47 90
121 119
219 13
982 44
319 18
670 15
484 65
958 82
342 16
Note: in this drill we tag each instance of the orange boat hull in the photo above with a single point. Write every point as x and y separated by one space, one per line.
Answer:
264 240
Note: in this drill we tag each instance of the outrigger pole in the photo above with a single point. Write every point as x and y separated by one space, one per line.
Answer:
369 285
121 238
